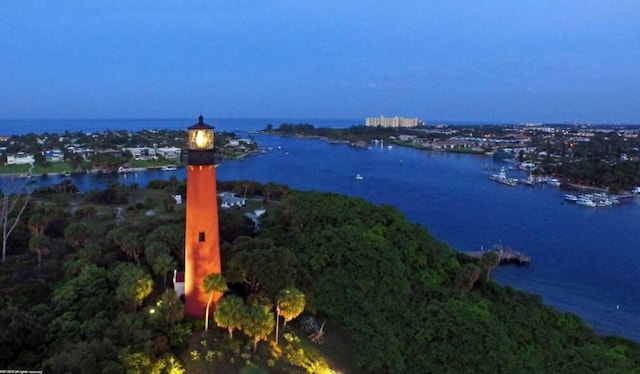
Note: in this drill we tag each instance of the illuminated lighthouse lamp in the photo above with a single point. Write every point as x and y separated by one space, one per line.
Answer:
200 144
201 138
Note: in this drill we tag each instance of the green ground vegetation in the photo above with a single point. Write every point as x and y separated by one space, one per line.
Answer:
380 295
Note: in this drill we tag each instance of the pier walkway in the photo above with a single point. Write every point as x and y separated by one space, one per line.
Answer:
507 255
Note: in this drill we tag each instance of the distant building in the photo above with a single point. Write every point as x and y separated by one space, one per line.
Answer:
229 199
169 152
20 158
382 121
141 153
54 156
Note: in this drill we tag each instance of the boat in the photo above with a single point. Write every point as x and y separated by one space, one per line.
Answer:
359 177
585 201
570 197
531 181
169 168
502 178
554 182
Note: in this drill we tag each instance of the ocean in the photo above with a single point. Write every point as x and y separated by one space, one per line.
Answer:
584 260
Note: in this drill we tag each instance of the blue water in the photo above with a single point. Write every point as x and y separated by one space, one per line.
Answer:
22 127
584 260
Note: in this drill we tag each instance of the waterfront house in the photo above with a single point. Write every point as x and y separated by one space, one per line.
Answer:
229 200
141 153
168 152
20 158
54 156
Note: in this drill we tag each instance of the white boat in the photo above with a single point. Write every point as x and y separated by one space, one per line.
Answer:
585 201
528 181
554 182
169 168
359 177
502 178
570 197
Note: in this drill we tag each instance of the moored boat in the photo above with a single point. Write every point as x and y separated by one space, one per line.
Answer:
554 182
586 201
502 178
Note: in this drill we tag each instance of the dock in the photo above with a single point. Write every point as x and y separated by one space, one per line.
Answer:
506 254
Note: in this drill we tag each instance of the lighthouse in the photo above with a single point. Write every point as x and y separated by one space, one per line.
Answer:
202 240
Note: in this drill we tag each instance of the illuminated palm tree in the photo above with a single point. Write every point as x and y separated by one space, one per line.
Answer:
291 303
230 313
211 284
259 323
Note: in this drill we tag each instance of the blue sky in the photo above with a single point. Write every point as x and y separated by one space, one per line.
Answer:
491 61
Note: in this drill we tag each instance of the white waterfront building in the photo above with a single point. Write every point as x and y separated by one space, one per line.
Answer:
20 158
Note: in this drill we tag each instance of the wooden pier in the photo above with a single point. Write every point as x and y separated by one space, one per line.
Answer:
506 255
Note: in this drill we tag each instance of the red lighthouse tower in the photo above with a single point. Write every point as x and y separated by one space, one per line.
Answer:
202 243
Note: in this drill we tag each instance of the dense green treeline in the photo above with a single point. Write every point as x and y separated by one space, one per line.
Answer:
101 298
620 176
395 289
354 134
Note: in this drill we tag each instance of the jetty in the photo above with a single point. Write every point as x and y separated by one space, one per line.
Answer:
506 255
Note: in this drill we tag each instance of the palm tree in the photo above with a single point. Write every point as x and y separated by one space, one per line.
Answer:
162 264
267 191
116 235
133 246
134 285
37 223
259 323
77 234
39 243
291 303
246 185
172 307
230 313
211 284
490 260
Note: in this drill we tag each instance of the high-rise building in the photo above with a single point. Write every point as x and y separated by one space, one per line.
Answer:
202 240
382 121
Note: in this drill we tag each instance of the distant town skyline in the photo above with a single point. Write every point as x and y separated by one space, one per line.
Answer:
492 61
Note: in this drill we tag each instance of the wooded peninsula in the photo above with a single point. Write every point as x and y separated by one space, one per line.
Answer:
87 288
